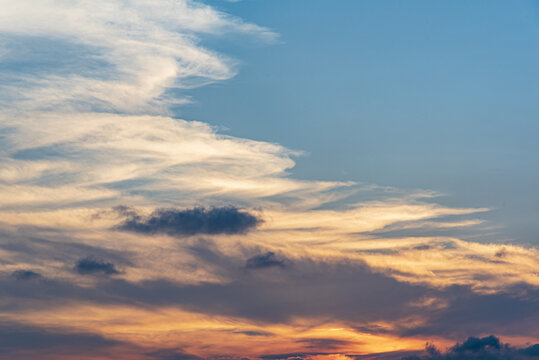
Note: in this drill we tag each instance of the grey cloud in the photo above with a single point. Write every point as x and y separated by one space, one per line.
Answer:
486 348
25 275
343 291
199 220
324 343
32 244
346 291
515 311
93 266
265 260
18 342
531 350
171 354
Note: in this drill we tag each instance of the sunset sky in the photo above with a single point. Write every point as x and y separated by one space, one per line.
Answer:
269 179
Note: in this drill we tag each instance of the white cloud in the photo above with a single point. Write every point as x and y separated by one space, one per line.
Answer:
147 46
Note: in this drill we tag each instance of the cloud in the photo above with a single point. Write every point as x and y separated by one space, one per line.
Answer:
26 275
292 356
324 343
132 51
26 342
336 291
254 333
109 158
318 302
531 350
485 348
171 354
264 261
93 266
213 221
474 344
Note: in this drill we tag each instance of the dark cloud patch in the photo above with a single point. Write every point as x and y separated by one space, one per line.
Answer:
422 247
474 344
515 311
94 266
16 340
531 351
485 348
174 222
265 260
501 253
171 354
342 291
26 275
323 343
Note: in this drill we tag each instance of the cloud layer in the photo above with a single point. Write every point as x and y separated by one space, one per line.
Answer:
488 347
127 233
188 222
134 50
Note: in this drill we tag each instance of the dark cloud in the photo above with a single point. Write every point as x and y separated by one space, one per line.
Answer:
93 266
501 253
323 343
531 351
264 261
175 222
350 292
474 344
25 275
25 342
423 247
514 311
486 348
171 354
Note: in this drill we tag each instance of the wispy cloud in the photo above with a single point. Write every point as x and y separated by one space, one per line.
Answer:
140 48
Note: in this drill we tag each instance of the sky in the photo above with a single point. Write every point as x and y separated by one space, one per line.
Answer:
269 179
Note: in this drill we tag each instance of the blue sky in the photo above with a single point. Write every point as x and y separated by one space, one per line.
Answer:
418 94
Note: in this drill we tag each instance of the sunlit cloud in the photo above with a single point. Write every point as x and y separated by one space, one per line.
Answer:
138 49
